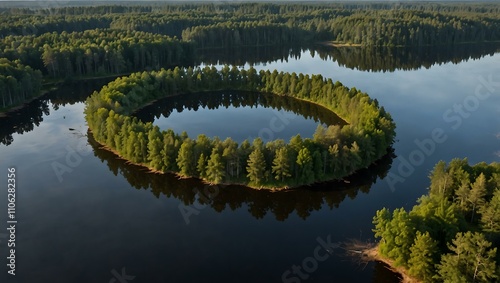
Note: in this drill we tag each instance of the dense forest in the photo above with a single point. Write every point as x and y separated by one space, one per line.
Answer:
18 82
91 52
258 203
368 24
333 152
73 42
453 233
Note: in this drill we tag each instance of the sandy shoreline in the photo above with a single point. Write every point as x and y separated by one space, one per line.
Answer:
372 254
340 44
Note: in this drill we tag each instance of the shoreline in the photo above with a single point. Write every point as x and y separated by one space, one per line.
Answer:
150 170
344 44
340 44
371 253
8 111
270 186
51 86
179 176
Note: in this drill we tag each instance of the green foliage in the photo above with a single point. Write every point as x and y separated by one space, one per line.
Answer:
477 194
215 168
155 145
445 225
95 52
256 167
18 82
78 41
230 34
381 221
185 159
441 180
333 154
281 164
202 166
490 214
438 216
471 260
305 162
423 254
403 229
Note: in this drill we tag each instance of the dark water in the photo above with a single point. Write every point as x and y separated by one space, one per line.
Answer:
101 217
239 115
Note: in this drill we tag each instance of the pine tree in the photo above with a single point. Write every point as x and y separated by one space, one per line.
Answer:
477 194
215 167
185 158
402 231
381 220
296 143
155 145
281 164
490 214
441 180
462 195
423 257
471 260
449 270
202 166
319 135
169 151
318 165
230 156
305 162
442 218
256 166
333 152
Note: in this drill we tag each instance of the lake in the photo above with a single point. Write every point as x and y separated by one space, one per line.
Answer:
86 216
239 115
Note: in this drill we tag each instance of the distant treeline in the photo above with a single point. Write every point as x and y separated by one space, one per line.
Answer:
95 52
387 59
366 24
18 82
231 34
453 233
333 152
253 8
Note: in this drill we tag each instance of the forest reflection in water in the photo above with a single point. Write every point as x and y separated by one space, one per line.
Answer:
31 114
225 99
390 59
302 200
374 59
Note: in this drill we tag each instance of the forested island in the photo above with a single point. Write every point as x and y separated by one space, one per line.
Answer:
453 233
68 43
333 153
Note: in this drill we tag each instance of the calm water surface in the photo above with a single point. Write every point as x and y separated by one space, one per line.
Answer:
102 217
239 115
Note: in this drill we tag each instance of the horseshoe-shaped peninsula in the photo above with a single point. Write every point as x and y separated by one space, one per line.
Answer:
333 153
